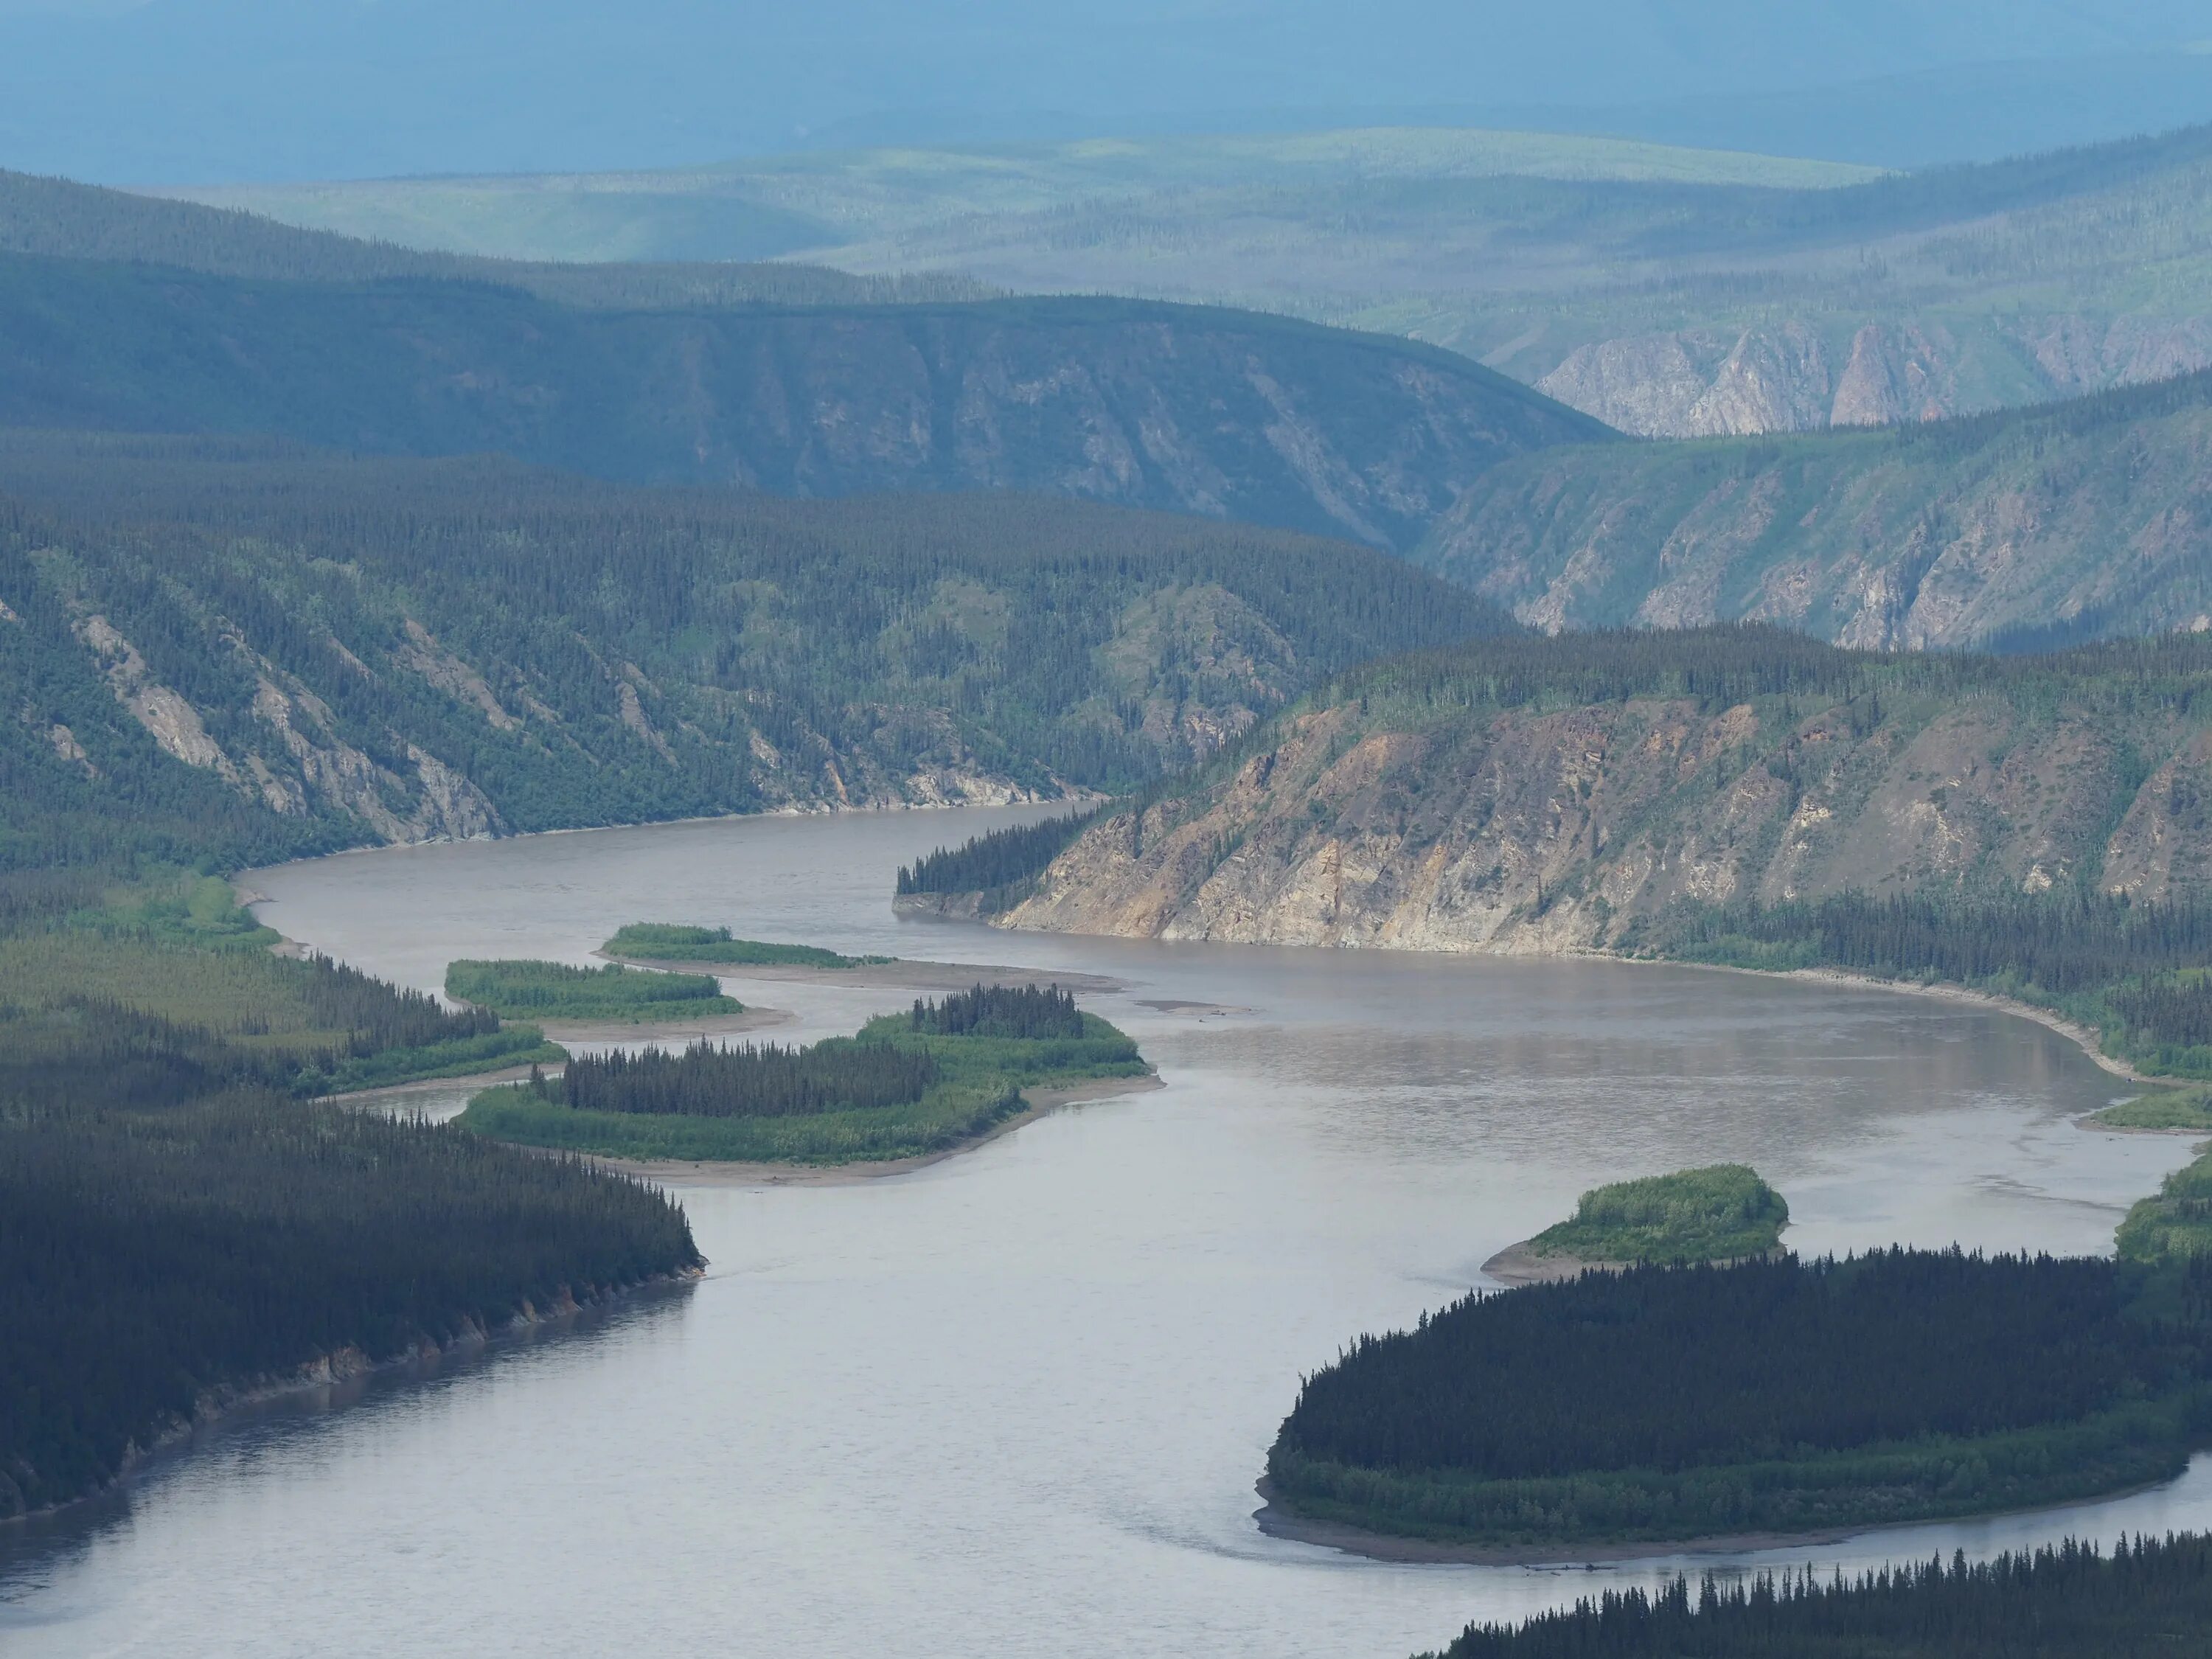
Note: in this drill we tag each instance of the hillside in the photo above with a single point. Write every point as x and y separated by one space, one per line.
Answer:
239 651
2040 526
1594 790
1666 290
1225 414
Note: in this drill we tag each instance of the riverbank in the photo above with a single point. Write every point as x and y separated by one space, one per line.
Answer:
680 1173
1277 1520
349 1367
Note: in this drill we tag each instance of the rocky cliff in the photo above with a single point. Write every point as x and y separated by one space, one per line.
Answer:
1488 800
2088 519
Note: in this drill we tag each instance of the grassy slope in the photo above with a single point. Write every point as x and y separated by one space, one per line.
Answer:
980 1086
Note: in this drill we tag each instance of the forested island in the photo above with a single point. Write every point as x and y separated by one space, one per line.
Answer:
661 941
906 1085
2149 1598
179 1227
554 990
1765 1398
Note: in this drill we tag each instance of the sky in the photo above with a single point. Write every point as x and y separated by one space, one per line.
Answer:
197 91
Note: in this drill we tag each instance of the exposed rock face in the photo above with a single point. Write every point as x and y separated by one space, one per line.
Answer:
1534 832
1802 374
2090 521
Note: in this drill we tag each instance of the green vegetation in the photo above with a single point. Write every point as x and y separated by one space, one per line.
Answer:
466 646
175 1227
1723 1213
659 941
2149 1600
1000 867
1668 1403
1805 530
908 1084
553 990
179 949
2175 1224
2161 1109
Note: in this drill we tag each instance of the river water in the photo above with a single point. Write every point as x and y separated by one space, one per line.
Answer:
1014 1403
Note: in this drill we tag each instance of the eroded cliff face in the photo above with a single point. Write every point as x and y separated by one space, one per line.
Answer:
1524 831
1802 374
2084 522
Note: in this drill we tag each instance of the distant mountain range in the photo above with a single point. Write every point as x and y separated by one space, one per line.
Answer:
1201 410
1668 291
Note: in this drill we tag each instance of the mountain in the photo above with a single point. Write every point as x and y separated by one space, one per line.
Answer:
176 90
241 650
1200 410
1521 794
1668 291
2037 526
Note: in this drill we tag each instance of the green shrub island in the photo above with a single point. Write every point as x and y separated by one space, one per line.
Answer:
907 1084
2162 1109
1767 1396
662 941
1718 1213
2175 1224
2147 1599
554 990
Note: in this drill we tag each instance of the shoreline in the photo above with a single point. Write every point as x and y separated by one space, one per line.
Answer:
902 973
225 1402
677 1172
1276 1519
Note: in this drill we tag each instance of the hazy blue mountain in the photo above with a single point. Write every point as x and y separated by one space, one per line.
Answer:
179 90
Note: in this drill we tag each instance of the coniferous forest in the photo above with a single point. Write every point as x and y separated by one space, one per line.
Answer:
2149 1598
1765 1396
174 1230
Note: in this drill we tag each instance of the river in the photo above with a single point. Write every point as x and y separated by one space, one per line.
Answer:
1014 1403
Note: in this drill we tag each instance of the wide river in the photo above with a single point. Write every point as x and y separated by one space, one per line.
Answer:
1014 1403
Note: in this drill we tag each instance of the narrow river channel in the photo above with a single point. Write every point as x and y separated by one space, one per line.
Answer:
1014 1403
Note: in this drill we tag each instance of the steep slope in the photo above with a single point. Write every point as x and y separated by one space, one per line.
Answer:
1226 413
270 650
2084 520
1536 795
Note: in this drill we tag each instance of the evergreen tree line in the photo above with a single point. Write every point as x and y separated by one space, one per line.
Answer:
707 1080
2150 1599
2063 941
170 1230
1667 1369
997 861
1000 1011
